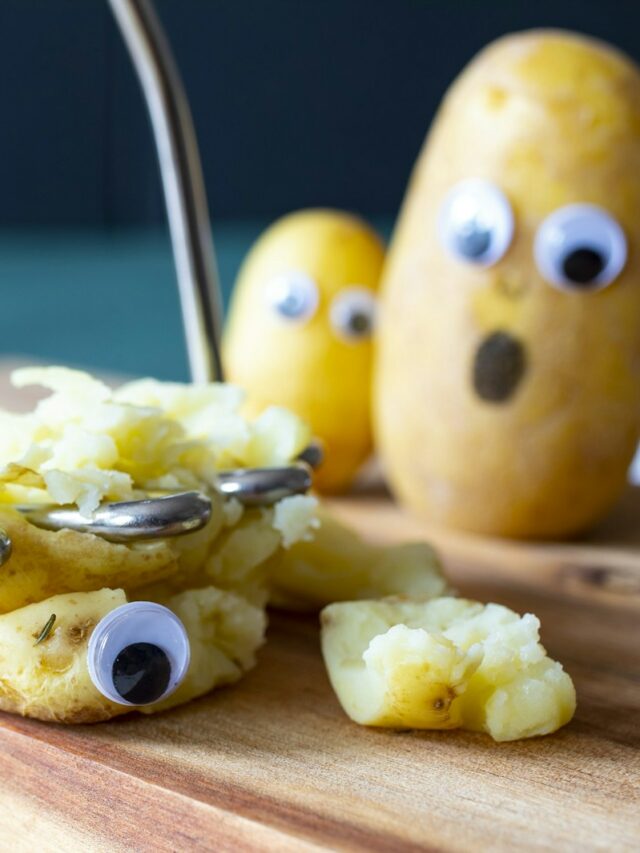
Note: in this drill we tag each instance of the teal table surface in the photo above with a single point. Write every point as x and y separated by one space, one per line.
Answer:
106 301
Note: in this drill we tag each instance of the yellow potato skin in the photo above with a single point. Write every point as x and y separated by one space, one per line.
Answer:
45 563
306 366
50 680
553 119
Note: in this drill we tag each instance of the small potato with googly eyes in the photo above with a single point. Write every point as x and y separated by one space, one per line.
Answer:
300 331
507 382
94 625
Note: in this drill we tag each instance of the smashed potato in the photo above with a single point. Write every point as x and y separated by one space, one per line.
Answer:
336 564
50 679
442 664
84 444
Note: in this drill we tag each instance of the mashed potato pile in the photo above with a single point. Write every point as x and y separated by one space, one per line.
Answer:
87 443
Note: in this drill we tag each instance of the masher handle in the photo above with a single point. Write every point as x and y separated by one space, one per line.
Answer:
184 191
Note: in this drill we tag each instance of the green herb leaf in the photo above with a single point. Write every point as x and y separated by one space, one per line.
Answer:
42 636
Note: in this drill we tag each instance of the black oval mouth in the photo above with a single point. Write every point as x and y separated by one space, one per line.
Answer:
499 364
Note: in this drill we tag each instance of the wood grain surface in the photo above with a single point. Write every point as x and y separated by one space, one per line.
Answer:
274 764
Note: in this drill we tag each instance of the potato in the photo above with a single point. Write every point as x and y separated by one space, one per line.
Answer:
507 382
338 565
51 681
299 331
444 663
86 443
45 563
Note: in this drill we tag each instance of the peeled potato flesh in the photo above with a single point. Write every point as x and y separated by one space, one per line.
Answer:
338 565
442 664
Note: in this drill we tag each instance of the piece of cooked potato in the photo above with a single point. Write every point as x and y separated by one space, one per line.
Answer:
85 444
444 663
45 562
338 565
50 680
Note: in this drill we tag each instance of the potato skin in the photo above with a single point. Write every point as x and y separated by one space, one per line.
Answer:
45 563
51 681
553 119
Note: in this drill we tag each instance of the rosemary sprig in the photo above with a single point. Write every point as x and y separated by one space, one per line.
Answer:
42 636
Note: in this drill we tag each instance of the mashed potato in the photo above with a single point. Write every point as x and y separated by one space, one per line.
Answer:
87 443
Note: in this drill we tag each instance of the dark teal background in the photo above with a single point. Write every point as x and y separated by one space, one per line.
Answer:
296 103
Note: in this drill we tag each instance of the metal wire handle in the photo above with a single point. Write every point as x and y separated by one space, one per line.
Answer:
190 228
184 192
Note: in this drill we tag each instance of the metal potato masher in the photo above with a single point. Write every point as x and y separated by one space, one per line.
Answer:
176 513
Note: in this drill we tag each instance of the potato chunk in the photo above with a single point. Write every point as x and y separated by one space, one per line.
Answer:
44 562
338 565
50 680
442 664
225 631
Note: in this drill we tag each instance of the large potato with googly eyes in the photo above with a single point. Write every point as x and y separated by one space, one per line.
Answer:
102 656
299 331
507 386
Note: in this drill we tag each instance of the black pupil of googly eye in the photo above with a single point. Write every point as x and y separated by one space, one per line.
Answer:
473 239
359 323
583 265
141 673
291 304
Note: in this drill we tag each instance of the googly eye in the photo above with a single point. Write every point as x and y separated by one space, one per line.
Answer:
293 296
580 247
476 222
138 654
352 313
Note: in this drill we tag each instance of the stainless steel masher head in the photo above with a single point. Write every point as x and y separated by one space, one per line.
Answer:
167 515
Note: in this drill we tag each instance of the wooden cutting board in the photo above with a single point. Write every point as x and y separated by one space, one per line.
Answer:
273 763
